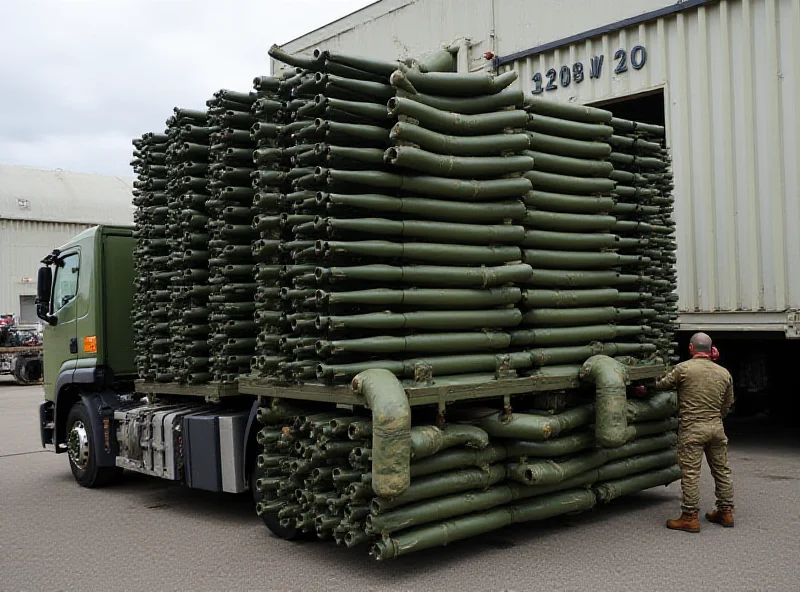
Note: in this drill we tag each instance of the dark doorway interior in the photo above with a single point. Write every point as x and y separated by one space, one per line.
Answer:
645 107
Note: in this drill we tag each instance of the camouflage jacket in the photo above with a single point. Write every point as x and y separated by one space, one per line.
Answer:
705 389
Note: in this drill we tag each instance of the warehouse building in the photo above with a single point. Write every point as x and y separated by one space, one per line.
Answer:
40 210
723 77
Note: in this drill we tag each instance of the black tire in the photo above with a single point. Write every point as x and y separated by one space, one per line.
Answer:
28 370
271 521
81 451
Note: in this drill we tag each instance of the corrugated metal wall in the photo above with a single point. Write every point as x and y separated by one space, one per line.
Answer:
23 244
730 71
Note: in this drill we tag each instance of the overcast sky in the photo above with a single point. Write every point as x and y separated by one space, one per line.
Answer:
80 78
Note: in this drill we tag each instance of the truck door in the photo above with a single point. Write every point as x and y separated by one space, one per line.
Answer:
62 338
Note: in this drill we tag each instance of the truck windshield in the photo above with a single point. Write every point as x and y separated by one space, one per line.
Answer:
66 281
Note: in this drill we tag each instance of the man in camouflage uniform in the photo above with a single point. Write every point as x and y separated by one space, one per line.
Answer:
705 395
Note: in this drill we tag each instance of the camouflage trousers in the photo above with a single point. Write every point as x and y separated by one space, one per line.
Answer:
694 440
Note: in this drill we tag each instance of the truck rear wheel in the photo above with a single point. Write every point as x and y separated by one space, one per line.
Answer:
81 451
271 520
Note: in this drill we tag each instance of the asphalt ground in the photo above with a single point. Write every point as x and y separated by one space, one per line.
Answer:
148 535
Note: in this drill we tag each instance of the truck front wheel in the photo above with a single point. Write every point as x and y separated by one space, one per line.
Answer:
81 451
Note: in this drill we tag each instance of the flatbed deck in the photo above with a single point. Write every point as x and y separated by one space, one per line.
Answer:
441 392
21 349
212 392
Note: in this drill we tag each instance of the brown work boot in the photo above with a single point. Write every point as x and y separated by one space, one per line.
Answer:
722 516
688 522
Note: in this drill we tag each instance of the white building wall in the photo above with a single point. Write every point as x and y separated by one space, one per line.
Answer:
23 244
402 28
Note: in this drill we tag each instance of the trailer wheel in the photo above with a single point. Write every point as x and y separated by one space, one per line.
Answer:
81 451
28 370
271 521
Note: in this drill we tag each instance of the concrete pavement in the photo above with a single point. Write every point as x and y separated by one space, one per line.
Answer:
148 535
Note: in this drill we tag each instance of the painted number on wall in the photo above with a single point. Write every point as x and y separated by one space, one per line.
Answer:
566 75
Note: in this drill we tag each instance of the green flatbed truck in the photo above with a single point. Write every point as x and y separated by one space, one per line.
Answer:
205 436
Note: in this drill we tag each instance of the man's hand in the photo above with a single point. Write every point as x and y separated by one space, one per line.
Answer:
640 390
714 354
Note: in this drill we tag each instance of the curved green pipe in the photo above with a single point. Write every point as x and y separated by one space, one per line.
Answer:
561 110
439 509
337 155
535 427
549 472
552 356
568 204
564 278
357 108
468 105
559 183
569 129
660 405
566 317
566 165
429 275
566 299
456 123
440 365
555 448
584 260
439 534
468 190
429 440
381 67
297 60
425 297
476 234
451 84
606 492
486 145
573 335
433 209
469 167
440 60
432 252
391 431
433 343
442 320
635 126
374 90
561 146
569 241
445 483
610 379
457 459
569 222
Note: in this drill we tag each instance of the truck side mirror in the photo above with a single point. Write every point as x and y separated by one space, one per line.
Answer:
44 284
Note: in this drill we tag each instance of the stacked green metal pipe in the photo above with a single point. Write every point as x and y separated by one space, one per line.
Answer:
402 216
277 113
151 257
644 208
375 221
232 338
187 234
467 478
589 284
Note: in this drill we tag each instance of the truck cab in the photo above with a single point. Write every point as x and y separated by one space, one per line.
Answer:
84 295
92 410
